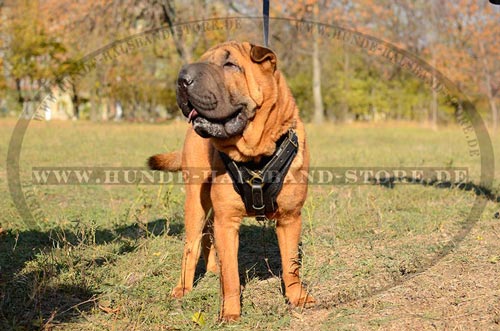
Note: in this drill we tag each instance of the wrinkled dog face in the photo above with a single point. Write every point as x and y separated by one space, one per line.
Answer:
219 94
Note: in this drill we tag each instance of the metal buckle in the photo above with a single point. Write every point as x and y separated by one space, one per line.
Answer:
255 176
291 132
258 209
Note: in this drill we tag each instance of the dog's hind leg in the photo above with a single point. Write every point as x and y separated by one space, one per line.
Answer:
196 173
207 245
195 219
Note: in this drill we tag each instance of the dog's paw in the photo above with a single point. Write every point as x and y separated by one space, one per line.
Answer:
230 318
304 302
300 298
179 291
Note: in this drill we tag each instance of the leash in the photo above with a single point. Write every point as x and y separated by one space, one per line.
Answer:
265 13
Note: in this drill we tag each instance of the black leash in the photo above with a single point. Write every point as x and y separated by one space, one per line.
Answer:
265 13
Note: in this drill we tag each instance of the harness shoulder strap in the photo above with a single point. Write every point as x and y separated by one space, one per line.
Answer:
234 172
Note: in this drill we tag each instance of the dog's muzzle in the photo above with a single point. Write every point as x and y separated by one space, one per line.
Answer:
205 102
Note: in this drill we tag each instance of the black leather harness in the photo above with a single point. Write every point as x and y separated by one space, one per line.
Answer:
259 183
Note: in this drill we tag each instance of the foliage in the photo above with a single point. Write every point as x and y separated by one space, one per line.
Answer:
45 40
33 55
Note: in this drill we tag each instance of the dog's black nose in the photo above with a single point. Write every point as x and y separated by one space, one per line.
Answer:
185 81
185 78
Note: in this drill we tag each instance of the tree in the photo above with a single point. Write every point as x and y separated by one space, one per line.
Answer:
319 111
471 55
33 56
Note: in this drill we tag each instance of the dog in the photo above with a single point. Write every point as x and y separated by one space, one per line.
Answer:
240 107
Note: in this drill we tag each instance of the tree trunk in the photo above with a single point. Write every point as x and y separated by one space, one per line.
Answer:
20 97
345 105
76 101
434 105
319 112
169 16
489 88
94 105
494 113
432 37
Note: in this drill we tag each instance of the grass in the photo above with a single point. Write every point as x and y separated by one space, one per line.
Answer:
106 257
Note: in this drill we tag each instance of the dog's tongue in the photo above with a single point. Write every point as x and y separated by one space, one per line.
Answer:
192 115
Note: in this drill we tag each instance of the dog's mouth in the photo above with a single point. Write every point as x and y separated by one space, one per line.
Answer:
228 127
207 104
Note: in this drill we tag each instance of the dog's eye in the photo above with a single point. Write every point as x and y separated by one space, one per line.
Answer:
231 65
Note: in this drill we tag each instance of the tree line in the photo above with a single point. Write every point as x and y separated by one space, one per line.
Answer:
43 42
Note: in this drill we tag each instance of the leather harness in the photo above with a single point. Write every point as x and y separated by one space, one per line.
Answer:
258 184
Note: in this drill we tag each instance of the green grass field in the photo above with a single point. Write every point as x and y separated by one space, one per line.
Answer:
106 257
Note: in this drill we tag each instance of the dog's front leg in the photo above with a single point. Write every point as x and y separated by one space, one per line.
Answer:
226 230
288 232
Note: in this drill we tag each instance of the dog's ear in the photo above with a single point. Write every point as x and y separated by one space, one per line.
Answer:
259 54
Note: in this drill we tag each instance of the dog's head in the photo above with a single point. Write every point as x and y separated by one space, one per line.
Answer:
225 90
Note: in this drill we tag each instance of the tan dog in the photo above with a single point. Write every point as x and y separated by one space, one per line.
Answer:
239 104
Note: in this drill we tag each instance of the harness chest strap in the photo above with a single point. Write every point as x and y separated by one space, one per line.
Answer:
259 184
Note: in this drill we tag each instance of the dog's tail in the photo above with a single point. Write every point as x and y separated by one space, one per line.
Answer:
166 162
